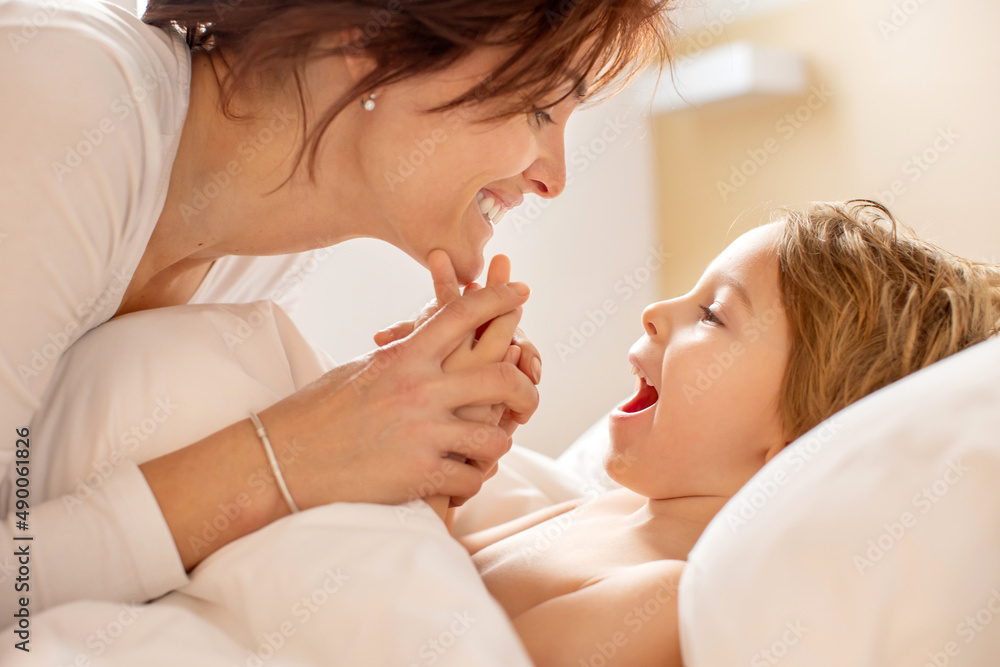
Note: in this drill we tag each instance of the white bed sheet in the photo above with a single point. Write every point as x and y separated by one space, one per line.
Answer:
344 584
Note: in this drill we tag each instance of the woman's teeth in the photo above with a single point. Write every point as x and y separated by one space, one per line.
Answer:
492 209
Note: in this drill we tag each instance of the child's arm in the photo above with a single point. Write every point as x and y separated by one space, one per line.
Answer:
625 619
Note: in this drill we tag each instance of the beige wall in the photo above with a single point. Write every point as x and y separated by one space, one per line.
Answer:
892 94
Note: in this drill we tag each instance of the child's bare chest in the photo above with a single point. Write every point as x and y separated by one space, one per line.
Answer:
560 556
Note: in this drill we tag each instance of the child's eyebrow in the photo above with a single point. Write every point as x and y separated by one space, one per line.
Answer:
742 293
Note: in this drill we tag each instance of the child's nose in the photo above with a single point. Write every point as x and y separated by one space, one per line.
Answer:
655 319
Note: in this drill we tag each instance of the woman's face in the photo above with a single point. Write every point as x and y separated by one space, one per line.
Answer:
706 415
423 175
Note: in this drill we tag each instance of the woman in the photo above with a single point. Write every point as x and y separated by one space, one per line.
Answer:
142 170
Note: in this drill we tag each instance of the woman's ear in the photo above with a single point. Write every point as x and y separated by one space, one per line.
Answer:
357 60
350 45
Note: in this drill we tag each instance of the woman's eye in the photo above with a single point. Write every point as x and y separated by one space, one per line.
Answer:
543 116
709 316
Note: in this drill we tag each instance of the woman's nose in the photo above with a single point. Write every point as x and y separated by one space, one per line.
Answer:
546 176
656 320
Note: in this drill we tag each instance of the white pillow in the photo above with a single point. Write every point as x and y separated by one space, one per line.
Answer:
585 457
872 540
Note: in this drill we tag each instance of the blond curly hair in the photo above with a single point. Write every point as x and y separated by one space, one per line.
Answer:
868 303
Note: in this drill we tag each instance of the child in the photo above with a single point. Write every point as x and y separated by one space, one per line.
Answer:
794 321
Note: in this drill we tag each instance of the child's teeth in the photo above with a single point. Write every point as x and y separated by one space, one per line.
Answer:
479 196
496 209
486 205
499 216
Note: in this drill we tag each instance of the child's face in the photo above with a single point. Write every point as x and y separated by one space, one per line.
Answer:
709 417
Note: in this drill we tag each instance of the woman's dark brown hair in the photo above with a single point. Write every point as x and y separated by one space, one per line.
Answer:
554 44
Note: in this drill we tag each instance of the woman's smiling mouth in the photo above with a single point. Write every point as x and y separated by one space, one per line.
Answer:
491 209
493 206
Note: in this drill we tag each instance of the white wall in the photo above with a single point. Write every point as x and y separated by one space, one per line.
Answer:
574 251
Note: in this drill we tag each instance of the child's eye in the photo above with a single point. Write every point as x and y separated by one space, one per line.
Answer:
709 316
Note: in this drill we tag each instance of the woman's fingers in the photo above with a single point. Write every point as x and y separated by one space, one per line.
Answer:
446 287
508 424
530 362
440 505
498 383
479 447
459 481
395 332
450 326
491 472
486 414
480 444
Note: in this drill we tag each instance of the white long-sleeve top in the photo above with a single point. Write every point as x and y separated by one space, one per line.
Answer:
92 104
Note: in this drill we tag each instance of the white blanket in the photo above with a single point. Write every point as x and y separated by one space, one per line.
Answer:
345 584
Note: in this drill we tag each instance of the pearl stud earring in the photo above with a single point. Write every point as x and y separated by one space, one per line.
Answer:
368 104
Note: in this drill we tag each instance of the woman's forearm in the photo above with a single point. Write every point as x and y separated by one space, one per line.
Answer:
215 491
334 436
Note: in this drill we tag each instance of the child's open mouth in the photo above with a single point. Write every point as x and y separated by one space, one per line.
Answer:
644 398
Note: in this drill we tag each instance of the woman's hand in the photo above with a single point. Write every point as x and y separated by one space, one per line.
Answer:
525 354
379 429
383 429
490 344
